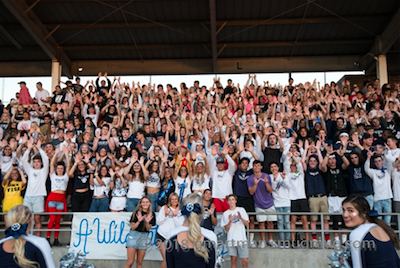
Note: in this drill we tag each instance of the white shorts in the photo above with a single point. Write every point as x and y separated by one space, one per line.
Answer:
34 203
335 204
118 203
264 217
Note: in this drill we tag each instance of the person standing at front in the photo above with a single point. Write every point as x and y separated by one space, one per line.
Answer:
235 220
37 176
260 186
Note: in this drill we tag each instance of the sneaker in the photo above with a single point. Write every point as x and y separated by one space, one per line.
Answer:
56 243
287 244
281 244
315 243
253 244
328 244
272 243
262 244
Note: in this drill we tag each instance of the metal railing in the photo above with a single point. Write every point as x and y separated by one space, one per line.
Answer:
320 230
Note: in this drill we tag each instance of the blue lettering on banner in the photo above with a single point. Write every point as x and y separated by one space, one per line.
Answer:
84 235
109 235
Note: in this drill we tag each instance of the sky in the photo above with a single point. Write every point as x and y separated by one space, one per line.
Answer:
9 86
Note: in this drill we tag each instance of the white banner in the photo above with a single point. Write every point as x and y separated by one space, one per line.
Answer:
104 235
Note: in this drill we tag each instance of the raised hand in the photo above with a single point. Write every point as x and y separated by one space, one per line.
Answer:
4 143
148 217
141 160
139 216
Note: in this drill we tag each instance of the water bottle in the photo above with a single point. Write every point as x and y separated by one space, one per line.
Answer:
319 242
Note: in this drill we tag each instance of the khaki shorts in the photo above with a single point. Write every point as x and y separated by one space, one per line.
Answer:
265 217
318 204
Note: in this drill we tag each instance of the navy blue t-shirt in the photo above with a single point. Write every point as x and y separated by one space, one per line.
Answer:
240 183
359 182
315 182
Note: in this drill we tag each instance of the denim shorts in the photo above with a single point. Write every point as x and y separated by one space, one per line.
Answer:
137 240
56 204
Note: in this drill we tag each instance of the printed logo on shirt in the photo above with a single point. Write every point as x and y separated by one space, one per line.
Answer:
206 215
243 177
295 175
153 178
335 171
13 188
83 179
357 173
316 173
278 185
235 219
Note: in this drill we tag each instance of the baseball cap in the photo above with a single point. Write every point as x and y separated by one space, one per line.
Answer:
220 160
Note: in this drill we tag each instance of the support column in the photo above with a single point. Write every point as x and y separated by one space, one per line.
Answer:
55 74
381 69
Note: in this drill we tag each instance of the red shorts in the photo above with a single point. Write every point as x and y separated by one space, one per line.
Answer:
221 205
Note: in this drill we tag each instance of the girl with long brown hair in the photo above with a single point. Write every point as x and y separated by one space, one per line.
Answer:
372 242
142 220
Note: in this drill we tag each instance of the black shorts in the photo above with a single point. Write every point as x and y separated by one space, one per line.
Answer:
247 203
300 205
160 238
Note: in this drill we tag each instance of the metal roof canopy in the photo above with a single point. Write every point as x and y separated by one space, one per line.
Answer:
128 37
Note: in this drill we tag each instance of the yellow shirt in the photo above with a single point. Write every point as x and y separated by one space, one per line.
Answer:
13 189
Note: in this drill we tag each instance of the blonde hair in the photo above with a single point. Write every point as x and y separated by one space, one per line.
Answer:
140 208
20 214
170 197
194 232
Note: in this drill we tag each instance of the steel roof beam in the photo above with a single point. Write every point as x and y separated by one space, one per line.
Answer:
213 32
9 37
388 37
226 23
186 66
38 31
219 46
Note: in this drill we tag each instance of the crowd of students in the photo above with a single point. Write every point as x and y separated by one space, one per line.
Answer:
295 148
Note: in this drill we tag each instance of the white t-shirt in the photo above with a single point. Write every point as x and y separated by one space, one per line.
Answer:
222 180
381 182
280 191
200 184
169 222
136 189
36 177
7 161
59 183
179 183
44 94
24 125
396 185
98 189
296 181
237 231
153 181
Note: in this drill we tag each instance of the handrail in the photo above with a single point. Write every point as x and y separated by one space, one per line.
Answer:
321 215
